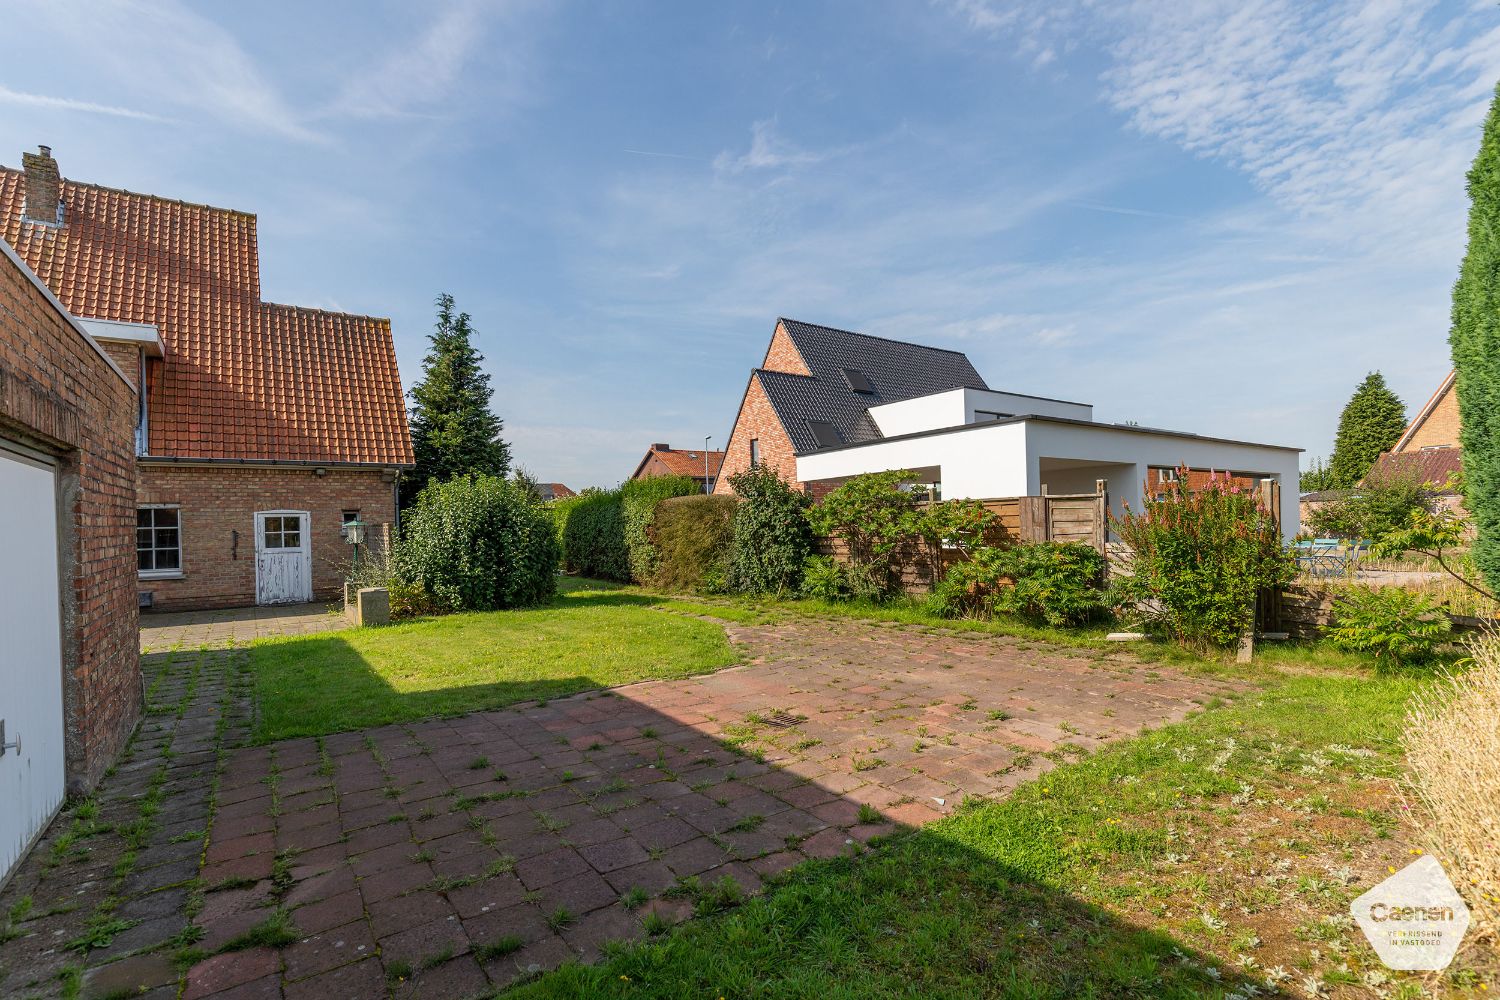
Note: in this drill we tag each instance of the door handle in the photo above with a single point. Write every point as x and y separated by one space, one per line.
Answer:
4 746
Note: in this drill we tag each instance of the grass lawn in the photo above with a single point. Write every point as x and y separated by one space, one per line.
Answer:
591 636
1212 858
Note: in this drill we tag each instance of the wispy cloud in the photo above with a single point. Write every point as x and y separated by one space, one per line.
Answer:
418 79
768 151
49 103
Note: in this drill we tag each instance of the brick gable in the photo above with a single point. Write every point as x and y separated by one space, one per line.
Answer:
757 420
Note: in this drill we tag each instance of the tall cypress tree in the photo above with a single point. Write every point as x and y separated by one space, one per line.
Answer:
1475 339
453 431
1372 422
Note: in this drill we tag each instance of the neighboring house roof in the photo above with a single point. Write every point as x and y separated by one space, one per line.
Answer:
1424 413
240 378
1430 466
554 491
896 370
681 462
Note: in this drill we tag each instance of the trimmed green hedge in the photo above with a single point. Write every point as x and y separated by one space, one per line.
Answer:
772 539
477 544
593 536
640 498
694 539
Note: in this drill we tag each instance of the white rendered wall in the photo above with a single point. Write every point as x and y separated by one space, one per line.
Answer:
1004 460
956 407
979 462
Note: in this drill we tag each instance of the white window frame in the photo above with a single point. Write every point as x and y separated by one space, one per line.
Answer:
161 574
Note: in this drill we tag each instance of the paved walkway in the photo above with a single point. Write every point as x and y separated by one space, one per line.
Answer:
450 857
227 626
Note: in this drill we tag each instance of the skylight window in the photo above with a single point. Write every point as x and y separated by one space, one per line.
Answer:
859 381
825 434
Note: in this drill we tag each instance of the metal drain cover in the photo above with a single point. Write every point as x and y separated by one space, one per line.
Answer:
783 720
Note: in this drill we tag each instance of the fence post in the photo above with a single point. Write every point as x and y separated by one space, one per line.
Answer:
1270 496
1101 516
1034 519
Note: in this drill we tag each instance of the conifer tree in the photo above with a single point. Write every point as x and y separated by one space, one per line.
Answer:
453 431
1475 339
1371 423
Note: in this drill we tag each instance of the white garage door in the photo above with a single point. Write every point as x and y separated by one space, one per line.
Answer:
31 710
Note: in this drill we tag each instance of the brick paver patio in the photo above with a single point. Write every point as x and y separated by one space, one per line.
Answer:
450 857
228 626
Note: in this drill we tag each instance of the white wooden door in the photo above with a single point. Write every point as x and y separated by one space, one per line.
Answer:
283 557
31 705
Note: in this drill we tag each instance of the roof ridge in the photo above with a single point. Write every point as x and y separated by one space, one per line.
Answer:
326 312
143 194
872 336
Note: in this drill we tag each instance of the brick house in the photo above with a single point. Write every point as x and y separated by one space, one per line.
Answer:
1428 450
664 460
827 405
260 429
554 491
72 683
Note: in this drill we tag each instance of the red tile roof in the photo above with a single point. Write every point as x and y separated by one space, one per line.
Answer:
241 378
680 462
1430 466
555 491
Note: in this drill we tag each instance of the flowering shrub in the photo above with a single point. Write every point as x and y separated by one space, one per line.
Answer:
1198 558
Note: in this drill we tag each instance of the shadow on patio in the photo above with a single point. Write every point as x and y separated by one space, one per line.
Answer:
447 857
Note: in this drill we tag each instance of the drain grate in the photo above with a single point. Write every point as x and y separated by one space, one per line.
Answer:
783 720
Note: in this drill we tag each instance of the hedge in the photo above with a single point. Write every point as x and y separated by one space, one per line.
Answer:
694 538
640 498
593 536
772 539
477 544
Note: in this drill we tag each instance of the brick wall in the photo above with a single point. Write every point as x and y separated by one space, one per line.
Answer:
59 396
1440 427
217 507
783 356
757 420
127 356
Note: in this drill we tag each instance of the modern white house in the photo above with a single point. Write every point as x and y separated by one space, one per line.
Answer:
827 404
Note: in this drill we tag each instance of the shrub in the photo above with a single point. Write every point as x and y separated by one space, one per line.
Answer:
639 498
1393 623
1198 558
824 579
694 538
1371 511
771 536
477 544
1453 772
1052 582
885 526
593 539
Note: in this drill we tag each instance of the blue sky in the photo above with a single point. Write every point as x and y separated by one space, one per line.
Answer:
1212 217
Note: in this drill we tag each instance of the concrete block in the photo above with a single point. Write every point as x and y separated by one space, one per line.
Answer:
373 606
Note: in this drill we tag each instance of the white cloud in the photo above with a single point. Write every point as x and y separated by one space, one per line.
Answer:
419 76
48 103
768 151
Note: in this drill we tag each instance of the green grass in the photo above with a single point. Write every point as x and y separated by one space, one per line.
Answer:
1015 898
591 636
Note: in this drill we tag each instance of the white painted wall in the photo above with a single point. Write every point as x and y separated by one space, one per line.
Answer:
981 461
1004 460
957 406
1018 405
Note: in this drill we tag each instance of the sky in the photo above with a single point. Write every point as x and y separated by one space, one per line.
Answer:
1213 217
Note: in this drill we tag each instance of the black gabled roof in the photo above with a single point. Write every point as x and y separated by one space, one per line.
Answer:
896 370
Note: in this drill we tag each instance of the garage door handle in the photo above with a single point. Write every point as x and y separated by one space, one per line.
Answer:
4 746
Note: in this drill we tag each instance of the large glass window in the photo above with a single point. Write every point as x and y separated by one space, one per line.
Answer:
158 540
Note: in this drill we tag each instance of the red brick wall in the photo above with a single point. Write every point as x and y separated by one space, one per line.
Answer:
217 508
128 357
1197 478
783 356
1441 426
58 395
759 421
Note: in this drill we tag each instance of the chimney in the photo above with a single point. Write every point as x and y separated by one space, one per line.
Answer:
661 447
43 187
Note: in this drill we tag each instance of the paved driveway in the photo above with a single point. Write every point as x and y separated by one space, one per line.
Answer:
451 856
